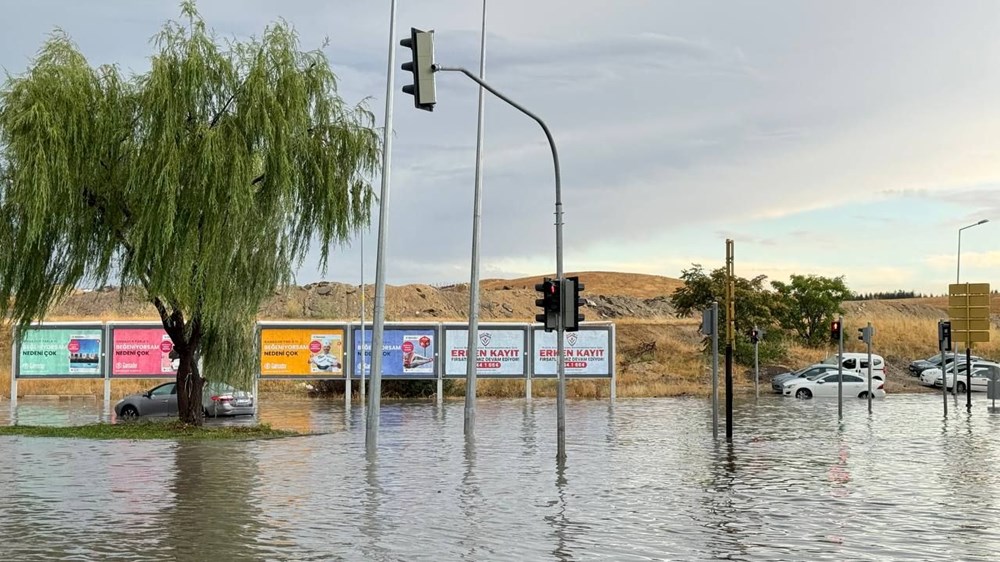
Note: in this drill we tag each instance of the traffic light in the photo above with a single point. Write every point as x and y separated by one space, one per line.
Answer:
571 304
423 90
865 334
549 304
835 331
754 336
944 335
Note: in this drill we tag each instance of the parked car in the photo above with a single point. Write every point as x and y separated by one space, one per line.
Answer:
934 362
982 371
778 382
220 399
217 399
858 363
826 385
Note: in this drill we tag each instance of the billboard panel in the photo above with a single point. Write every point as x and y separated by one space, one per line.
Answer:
407 352
61 351
302 351
502 351
142 351
589 352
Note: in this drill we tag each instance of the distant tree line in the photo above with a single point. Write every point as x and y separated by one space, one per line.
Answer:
888 295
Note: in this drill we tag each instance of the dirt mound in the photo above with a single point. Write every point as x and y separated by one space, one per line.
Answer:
609 296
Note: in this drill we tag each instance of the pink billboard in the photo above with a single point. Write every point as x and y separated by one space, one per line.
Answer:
142 352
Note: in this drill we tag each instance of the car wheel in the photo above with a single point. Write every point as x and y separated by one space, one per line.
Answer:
129 413
803 393
863 395
961 387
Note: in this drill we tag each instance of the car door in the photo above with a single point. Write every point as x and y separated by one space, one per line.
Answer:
158 401
826 385
855 385
980 378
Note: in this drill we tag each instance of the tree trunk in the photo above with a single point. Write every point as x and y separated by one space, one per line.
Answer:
187 346
189 387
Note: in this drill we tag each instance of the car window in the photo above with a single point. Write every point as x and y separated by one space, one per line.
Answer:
165 390
852 378
849 363
878 362
864 363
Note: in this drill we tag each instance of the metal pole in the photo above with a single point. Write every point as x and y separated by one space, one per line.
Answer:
361 381
15 351
715 370
374 406
944 377
954 356
560 343
840 369
472 353
756 365
870 367
968 376
729 393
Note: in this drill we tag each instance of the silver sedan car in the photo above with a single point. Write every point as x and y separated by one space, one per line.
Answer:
217 399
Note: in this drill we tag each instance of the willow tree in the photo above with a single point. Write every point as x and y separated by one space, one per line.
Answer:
201 182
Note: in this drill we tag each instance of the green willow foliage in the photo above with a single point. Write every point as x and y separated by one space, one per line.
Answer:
202 181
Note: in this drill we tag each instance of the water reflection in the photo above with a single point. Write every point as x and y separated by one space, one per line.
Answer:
643 480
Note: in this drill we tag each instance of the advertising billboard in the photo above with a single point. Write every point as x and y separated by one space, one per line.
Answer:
501 351
589 352
61 351
315 352
142 351
407 352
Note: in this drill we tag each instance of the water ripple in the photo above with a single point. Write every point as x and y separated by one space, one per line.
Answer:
644 480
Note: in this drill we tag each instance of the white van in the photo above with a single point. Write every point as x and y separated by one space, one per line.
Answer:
858 363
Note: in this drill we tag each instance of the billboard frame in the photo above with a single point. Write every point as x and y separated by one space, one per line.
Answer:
300 325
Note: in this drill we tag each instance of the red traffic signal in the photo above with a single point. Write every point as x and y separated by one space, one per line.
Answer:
835 331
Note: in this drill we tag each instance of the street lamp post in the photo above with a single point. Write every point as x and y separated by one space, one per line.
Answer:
958 279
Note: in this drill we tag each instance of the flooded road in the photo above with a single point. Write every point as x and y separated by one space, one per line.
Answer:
643 480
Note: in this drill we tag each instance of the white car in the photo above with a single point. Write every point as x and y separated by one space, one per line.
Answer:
826 386
981 373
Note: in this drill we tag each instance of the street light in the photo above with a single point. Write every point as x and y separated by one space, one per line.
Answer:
958 266
958 279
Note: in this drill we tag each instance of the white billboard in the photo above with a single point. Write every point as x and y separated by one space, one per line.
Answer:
588 353
502 352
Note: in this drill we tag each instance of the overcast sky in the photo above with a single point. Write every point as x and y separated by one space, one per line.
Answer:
839 138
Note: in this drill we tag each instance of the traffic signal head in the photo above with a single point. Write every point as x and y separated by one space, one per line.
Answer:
423 90
571 304
754 336
549 304
835 331
861 334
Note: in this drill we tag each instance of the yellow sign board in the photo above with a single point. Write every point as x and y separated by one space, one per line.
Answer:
961 336
969 289
975 324
973 312
969 300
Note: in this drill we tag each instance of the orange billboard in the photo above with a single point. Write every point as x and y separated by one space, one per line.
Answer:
316 352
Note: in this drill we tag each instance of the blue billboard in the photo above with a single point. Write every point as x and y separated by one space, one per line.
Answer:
407 352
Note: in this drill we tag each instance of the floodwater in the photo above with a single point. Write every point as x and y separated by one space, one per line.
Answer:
643 480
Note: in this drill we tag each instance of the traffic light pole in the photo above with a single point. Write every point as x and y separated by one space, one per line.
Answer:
378 322
756 363
840 369
560 343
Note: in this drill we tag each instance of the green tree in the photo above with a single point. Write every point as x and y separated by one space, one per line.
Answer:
202 181
754 308
808 304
